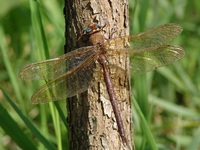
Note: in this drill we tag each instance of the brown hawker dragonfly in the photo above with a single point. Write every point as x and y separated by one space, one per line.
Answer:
69 74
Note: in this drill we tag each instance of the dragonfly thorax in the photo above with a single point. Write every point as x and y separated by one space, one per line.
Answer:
96 38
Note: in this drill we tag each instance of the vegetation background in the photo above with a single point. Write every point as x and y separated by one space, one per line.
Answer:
169 98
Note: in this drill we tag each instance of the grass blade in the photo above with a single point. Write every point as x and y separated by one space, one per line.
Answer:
14 131
34 130
145 127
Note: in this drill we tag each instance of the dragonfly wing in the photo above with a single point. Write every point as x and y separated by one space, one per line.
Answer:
53 68
151 38
73 82
143 60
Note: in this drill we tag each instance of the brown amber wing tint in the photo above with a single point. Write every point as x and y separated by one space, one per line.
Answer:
151 38
72 73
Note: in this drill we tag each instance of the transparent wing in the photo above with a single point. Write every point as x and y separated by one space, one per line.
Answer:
69 84
152 58
151 38
53 68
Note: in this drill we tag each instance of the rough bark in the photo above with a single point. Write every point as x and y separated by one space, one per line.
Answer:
91 121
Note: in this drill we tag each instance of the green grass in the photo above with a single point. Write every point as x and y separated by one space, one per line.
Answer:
38 29
169 97
165 102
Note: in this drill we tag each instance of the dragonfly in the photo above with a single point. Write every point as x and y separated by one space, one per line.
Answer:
71 73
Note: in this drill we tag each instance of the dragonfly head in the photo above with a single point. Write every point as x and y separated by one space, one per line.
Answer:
93 28
92 34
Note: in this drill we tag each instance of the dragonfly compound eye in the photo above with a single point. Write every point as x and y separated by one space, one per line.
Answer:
99 26
88 30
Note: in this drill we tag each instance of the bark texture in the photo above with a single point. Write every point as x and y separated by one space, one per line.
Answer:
91 121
